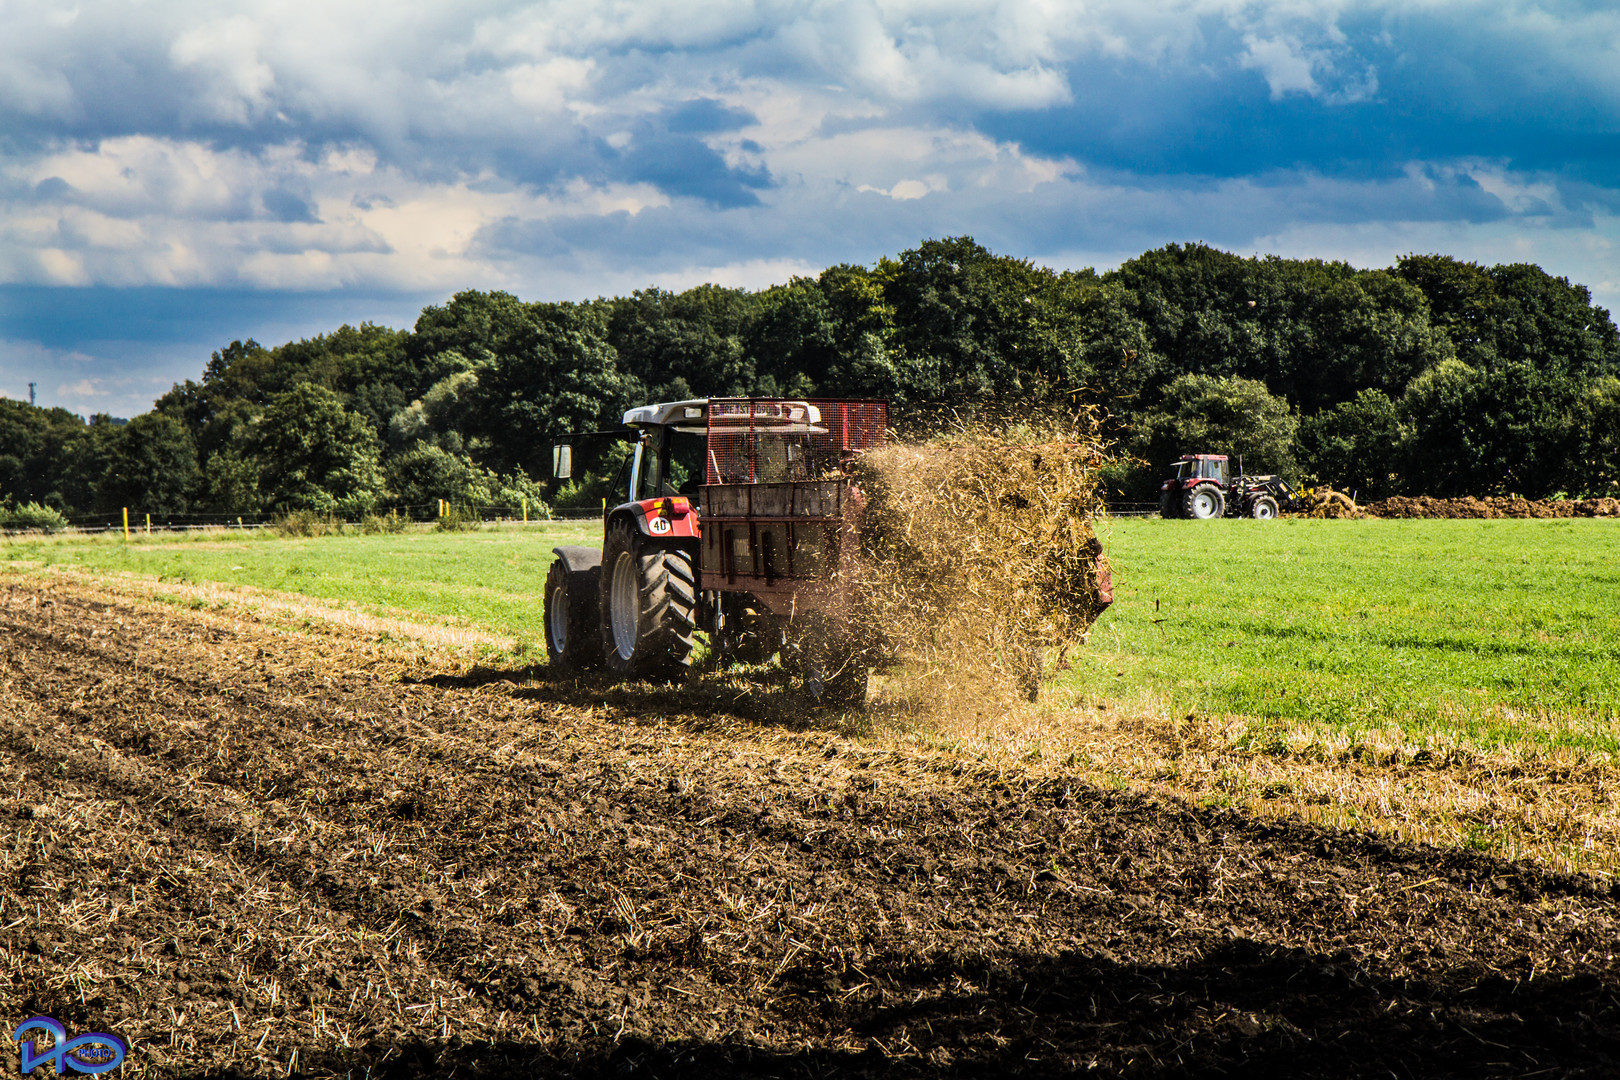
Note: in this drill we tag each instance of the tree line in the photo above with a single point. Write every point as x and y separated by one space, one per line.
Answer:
1432 376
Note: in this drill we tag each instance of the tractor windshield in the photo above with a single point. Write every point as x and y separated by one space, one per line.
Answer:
671 463
1212 469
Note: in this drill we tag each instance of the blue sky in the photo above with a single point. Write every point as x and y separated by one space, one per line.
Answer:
174 175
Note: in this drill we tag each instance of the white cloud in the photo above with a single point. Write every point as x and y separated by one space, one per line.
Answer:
226 53
1286 67
140 211
332 144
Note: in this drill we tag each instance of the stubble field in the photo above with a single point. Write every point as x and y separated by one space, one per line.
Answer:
258 840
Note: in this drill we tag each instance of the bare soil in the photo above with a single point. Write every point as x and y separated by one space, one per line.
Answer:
1498 506
250 849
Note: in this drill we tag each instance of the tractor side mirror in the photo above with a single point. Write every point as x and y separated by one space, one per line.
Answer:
562 461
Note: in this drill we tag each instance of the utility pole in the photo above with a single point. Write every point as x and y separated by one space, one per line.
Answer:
31 392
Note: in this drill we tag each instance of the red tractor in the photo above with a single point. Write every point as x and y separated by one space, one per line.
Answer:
1202 488
765 478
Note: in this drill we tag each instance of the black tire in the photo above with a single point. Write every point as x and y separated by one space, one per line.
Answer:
655 586
1204 503
1169 504
572 614
1264 508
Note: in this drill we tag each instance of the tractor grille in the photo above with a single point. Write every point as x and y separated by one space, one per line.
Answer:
761 441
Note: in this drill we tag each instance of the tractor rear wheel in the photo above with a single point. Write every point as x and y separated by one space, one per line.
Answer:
1169 504
649 605
572 640
1204 502
1264 508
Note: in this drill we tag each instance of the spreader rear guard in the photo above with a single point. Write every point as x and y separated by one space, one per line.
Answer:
779 515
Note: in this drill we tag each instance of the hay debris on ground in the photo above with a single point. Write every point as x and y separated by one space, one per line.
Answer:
980 555
1324 502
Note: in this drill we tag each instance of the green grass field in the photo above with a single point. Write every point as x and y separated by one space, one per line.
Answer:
490 578
1474 627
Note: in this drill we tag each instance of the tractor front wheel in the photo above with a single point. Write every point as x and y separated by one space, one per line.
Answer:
1204 502
571 612
649 605
1264 508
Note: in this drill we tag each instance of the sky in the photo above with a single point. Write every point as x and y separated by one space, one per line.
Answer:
177 174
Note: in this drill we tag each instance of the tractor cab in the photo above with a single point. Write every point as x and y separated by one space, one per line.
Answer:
1191 468
1208 467
669 450
1197 488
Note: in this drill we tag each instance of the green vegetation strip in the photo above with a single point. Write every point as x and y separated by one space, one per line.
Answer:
490 578
1488 630
1497 632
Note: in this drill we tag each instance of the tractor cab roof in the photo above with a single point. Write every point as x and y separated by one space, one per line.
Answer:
695 413
1202 457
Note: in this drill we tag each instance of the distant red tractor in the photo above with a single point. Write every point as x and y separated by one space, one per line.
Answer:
1203 488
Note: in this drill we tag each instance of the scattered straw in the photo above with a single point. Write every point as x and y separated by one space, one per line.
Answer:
980 556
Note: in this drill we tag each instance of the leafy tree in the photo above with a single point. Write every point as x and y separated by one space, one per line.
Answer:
555 374
687 344
1203 414
1516 314
1355 445
152 468
1315 332
970 326
314 454
38 451
426 473
1596 468
231 479
439 415
86 460
1510 429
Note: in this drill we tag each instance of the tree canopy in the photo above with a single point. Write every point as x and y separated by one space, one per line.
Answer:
1432 376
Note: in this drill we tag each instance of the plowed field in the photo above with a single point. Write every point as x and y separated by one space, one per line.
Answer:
251 849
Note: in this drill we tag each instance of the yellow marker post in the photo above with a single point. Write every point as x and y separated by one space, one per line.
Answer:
148 524
525 511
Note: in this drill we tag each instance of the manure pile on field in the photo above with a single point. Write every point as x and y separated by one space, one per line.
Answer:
1326 503
980 556
1504 506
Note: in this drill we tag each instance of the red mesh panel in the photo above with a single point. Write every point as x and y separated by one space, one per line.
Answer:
756 440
